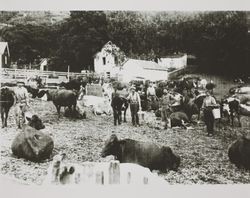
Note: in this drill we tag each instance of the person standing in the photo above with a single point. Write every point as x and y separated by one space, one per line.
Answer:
151 94
135 105
21 103
208 104
165 105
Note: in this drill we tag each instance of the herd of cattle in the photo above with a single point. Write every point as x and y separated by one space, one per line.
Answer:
35 145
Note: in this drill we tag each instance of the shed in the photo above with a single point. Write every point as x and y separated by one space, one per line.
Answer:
135 69
4 55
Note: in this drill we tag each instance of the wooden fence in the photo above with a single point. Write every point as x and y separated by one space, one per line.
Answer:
50 78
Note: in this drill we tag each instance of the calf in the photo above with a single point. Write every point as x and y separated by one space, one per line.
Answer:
239 153
7 99
231 108
33 120
32 145
145 154
178 119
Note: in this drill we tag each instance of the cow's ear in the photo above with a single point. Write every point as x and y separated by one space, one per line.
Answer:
113 138
28 118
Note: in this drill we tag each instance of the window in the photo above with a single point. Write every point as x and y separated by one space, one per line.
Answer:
116 60
6 60
108 74
104 60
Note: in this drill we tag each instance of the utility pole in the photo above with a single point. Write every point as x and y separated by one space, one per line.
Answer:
68 72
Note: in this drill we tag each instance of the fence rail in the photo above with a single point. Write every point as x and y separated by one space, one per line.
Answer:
31 72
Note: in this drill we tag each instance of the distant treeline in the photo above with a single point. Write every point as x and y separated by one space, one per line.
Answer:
219 40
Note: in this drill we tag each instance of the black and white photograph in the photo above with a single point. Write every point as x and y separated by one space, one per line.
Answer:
124 97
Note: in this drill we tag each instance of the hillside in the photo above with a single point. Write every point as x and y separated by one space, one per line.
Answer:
32 17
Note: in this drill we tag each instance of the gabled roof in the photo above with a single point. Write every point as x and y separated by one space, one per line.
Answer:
3 46
145 64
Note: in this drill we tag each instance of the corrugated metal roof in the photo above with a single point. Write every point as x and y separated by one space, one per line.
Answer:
3 46
144 64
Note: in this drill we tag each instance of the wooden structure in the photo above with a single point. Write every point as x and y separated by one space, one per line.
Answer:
4 55
102 173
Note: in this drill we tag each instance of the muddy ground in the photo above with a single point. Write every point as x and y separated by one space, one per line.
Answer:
204 159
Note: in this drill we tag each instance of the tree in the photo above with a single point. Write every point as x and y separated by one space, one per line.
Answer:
82 35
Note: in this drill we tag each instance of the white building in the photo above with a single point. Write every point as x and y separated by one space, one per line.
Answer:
107 62
142 70
44 64
4 55
174 61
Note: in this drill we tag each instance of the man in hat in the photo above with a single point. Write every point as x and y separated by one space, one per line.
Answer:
21 102
165 105
135 105
151 93
208 104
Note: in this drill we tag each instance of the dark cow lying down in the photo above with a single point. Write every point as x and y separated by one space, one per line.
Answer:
239 153
33 121
178 119
145 154
32 145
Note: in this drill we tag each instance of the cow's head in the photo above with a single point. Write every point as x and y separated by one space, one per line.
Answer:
35 122
111 146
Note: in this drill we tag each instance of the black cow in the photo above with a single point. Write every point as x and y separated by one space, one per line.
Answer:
239 153
178 119
231 108
34 92
73 84
118 105
6 101
189 108
32 145
145 154
199 101
62 98
34 121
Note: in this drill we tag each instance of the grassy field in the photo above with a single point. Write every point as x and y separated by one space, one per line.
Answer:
204 159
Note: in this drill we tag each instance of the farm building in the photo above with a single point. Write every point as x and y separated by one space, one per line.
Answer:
108 60
142 70
4 55
175 61
44 64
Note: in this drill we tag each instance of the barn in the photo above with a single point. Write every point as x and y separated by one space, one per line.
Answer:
108 60
4 55
143 70
175 61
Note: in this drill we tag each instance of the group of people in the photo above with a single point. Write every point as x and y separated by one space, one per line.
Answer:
165 104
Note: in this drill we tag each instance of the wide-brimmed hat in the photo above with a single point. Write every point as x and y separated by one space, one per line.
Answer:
165 90
132 88
19 82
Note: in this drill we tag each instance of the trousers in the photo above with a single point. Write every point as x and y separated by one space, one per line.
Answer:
134 108
209 120
19 114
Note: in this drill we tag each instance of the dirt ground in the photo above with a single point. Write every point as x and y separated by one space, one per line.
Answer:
204 160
